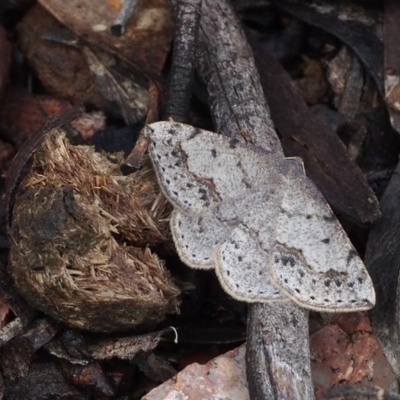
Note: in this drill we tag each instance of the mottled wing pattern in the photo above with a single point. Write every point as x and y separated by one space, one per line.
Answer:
299 248
240 262
198 169
196 237
179 185
313 261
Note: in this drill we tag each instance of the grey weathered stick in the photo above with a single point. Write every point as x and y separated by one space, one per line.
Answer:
238 105
284 358
119 25
179 87
226 65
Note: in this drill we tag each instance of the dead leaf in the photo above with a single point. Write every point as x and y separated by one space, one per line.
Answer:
61 68
147 39
123 89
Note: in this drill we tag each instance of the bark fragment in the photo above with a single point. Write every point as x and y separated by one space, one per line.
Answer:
225 63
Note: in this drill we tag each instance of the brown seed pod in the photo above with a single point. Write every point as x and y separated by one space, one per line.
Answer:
73 229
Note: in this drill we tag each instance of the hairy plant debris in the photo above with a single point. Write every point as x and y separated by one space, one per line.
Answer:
79 237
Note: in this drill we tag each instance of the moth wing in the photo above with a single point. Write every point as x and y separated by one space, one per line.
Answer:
196 237
240 262
312 260
198 169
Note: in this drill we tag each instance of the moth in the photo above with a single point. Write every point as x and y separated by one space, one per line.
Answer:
257 220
